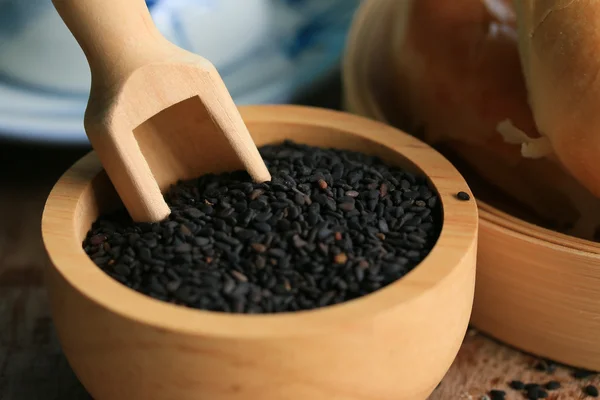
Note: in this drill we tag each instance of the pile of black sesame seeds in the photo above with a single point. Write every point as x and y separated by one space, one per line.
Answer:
330 227
535 391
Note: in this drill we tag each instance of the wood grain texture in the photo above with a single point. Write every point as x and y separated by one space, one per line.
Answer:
539 296
343 352
537 289
153 107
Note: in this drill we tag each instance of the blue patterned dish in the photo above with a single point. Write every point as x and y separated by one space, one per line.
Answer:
290 46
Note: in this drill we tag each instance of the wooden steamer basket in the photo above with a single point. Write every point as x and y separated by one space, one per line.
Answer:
536 289
394 344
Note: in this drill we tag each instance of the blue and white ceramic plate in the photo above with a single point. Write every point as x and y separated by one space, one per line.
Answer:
267 51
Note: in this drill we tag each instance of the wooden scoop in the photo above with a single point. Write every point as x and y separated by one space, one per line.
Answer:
156 112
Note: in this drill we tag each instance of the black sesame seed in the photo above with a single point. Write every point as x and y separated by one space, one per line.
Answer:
206 209
262 227
546 366
552 385
591 391
201 241
193 213
122 269
536 392
542 394
583 373
464 196
497 394
517 385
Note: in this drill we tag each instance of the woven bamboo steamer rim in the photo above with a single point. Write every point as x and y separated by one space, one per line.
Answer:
541 296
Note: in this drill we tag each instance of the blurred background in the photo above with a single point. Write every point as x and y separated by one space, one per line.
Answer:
267 51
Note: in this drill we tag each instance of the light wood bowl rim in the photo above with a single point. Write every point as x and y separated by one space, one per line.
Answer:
458 235
535 232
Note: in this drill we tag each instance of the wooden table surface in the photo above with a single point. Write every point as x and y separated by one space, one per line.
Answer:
32 366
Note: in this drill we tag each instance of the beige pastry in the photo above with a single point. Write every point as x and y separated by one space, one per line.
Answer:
558 44
460 82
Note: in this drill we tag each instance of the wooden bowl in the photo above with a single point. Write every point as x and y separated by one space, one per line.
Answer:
536 289
396 343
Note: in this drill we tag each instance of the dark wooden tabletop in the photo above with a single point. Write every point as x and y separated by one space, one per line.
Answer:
32 366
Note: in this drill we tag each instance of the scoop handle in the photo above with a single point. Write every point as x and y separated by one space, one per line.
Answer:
116 35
